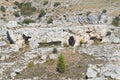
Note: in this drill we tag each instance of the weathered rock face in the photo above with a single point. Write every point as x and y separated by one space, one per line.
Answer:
110 54
71 41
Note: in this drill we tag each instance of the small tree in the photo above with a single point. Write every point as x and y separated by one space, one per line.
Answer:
104 11
45 2
27 21
3 9
115 21
54 50
42 13
16 14
50 20
61 64
56 4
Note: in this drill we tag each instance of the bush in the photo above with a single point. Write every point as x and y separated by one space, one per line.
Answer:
42 13
43 44
50 20
16 14
116 21
54 50
30 64
27 21
65 45
3 9
26 8
57 4
108 33
16 3
104 11
88 13
45 2
61 64
82 42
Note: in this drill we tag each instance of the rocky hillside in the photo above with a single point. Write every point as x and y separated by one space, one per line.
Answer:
33 34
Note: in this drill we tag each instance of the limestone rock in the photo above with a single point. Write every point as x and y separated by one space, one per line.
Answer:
12 24
3 43
91 73
53 56
43 57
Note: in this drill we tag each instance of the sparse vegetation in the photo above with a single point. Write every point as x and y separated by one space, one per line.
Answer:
43 44
116 21
65 45
27 21
96 42
104 11
45 2
25 8
50 61
0 55
88 13
30 64
42 13
61 64
57 4
3 9
16 14
50 20
82 42
16 3
108 33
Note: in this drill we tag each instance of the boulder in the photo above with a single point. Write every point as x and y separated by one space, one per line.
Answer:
12 75
43 57
53 56
12 24
17 71
3 43
91 73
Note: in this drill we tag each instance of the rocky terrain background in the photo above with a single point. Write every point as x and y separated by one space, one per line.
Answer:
34 32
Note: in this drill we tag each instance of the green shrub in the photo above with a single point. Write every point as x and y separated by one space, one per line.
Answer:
88 13
50 20
116 21
0 55
45 2
26 8
27 21
30 64
54 50
61 64
42 13
43 44
50 61
104 11
57 4
16 3
82 42
16 14
3 9
108 33
65 45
